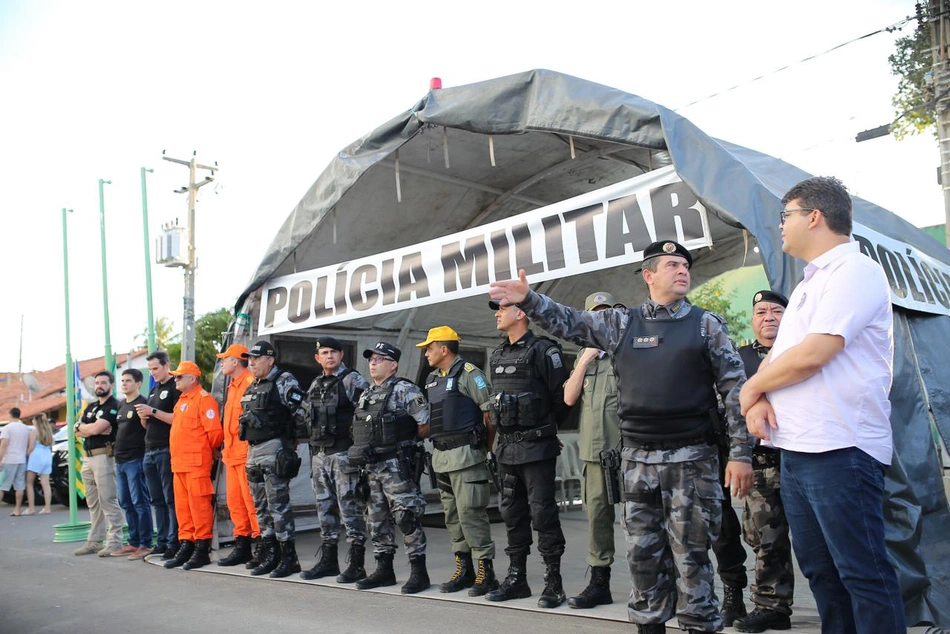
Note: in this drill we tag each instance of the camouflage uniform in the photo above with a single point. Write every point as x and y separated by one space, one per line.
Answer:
599 428
272 493
392 491
463 476
764 525
334 480
673 507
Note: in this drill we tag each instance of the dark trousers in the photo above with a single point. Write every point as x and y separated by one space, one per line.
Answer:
528 500
835 506
730 553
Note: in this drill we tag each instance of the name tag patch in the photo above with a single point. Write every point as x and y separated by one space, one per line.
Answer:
646 342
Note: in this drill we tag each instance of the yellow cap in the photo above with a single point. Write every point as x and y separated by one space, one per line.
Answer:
440 333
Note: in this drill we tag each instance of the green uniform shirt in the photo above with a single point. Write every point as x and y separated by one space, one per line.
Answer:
474 384
599 423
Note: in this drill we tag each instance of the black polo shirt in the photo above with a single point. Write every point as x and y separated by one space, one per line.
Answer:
130 438
163 398
93 412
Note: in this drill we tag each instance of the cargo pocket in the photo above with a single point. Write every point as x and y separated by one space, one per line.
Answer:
705 519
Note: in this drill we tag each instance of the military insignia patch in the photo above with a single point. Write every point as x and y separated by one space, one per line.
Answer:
555 357
183 407
480 382
210 414
129 415
757 298
469 367
669 247
449 384
163 394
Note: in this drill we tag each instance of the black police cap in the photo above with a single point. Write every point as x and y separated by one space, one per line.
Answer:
262 348
329 342
667 247
383 349
771 297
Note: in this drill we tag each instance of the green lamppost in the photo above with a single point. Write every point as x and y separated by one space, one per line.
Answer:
108 358
72 531
148 266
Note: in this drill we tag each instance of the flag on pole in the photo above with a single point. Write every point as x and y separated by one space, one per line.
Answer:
77 405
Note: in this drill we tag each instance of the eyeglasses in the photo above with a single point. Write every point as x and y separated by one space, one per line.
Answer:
378 359
784 213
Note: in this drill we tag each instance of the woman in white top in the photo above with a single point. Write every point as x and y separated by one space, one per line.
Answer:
39 462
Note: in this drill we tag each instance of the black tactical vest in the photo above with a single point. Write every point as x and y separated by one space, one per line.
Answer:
750 359
520 399
450 411
376 430
331 412
665 383
265 416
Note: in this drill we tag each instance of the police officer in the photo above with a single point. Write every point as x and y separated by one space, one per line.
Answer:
528 374
592 384
764 525
331 401
271 423
390 417
670 359
459 394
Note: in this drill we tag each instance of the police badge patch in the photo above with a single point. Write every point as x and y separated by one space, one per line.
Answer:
555 355
163 394
210 414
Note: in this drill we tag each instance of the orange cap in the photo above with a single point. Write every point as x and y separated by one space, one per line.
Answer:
187 367
235 350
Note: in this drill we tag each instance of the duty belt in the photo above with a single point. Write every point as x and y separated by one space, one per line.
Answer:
456 440
665 445
100 451
764 459
530 434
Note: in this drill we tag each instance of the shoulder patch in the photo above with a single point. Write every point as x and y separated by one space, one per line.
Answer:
204 393
480 382
555 355
468 367
717 317
210 414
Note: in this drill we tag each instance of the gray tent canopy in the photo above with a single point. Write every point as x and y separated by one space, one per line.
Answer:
428 173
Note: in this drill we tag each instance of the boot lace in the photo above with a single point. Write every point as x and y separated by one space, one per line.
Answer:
480 574
459 569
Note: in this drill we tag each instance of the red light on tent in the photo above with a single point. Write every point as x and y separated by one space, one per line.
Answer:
435 83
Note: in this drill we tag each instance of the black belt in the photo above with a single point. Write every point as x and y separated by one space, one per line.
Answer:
529 434
454 441
665 445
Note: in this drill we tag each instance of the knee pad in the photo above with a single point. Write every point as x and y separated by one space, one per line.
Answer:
406 521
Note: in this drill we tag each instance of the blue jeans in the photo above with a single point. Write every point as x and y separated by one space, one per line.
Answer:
135 501
161 488
835 507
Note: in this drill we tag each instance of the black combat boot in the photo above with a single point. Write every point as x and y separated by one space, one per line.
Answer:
761 619
515 585
172 550
269 557
464 575
651 628
289 564
241 553
201 556
328 565
355 570
185 550
257 553
485 579
732 605
553 593
384 575
418 576
597 591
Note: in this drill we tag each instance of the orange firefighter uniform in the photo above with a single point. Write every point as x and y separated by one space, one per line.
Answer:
195 434
240 500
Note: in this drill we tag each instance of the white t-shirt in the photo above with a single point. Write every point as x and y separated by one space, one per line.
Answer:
19 439
845 404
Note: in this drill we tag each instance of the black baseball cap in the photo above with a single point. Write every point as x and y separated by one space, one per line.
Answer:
383 349
262 348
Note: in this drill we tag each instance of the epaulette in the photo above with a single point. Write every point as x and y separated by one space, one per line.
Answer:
204 392
717 317
468 367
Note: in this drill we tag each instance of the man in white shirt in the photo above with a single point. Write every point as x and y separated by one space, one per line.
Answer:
14 439
821 397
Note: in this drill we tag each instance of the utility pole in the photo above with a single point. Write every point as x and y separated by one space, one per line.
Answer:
188 320
940 32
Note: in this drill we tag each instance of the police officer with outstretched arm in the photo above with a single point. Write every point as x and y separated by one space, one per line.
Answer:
331 401
528 375
271 423
670 359
458 392
391 417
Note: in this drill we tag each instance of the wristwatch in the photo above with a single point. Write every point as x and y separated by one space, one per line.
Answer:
153 411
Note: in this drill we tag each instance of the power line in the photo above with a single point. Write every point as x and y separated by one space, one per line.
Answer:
887 29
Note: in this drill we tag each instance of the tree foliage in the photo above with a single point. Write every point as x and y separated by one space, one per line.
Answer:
713 297
164 334
912 61
209 334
